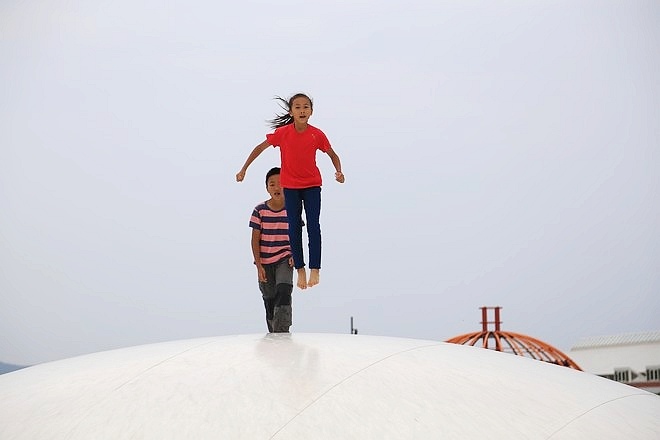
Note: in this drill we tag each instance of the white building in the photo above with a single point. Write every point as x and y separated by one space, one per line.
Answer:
630 358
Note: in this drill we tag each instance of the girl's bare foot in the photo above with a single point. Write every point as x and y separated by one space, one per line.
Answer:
302 278
313 278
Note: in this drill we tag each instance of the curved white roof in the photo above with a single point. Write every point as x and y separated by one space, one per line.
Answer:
317 386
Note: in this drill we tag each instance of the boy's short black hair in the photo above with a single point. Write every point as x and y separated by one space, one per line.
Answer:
272 172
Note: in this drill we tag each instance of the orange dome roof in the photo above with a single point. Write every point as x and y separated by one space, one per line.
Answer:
510 342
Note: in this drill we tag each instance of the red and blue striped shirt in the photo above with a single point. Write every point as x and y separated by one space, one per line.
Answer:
274 227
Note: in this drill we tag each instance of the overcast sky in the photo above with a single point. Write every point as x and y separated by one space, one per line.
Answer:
495 152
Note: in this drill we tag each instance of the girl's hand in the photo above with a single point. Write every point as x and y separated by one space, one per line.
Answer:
240 176
339 176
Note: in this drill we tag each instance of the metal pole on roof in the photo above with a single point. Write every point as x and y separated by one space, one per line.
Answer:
354 331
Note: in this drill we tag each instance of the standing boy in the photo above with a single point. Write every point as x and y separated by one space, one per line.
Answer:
272 255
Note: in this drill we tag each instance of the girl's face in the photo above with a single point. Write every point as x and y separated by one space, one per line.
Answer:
301 110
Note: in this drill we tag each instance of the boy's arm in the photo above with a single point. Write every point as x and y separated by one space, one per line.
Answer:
339 176
254 244
253 155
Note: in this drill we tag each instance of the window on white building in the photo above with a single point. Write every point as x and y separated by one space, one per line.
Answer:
653 373
623 375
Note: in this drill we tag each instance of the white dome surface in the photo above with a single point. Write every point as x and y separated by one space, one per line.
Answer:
317 386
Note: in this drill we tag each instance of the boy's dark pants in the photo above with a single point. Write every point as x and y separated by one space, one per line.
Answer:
276 293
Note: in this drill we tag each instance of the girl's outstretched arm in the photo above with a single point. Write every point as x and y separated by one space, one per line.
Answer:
339 176
253 155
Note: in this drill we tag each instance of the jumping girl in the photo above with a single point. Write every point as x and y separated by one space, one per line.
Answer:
300 178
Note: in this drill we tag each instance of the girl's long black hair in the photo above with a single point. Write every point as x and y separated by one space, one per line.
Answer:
283 119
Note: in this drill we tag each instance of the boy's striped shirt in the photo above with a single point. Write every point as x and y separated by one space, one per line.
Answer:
274 244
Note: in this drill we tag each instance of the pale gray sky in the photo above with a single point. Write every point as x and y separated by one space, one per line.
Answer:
496 153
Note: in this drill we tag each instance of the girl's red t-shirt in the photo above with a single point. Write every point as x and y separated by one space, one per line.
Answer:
298 155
